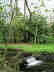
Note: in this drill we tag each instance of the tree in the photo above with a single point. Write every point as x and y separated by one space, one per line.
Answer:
16 25
7 39
43 29
52 28
34 12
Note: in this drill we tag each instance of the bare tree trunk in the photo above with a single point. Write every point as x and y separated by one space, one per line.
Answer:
8 39
16 27
24 21
28 9
36 34
24 12
17 10
27 5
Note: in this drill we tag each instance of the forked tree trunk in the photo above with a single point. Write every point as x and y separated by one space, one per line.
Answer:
32 20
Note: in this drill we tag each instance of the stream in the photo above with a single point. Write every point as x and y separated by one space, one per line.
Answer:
48 66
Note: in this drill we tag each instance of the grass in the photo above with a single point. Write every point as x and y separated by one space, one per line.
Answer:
48 48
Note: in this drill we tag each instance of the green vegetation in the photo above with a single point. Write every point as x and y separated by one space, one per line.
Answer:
37 30
31 32
28 33
48 48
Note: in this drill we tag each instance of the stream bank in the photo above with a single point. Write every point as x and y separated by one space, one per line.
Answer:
40 56
48 59
16 56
